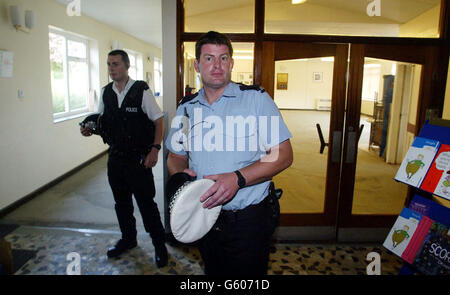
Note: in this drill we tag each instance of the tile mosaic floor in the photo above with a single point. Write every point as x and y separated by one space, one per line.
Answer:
52 246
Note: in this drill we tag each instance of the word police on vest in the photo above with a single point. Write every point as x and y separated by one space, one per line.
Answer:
131 110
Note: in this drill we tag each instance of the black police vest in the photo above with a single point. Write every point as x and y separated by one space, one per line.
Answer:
128 128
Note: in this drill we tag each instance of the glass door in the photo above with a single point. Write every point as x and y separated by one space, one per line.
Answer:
308 84
386 104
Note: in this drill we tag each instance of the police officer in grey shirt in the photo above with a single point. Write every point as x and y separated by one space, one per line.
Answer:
236 137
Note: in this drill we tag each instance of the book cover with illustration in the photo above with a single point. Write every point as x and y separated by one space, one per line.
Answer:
437 180
417 161
433 258
402 232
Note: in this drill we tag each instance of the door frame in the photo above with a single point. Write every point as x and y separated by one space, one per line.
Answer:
277 51
433 95
427 56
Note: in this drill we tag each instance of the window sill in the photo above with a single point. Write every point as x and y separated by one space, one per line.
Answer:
71 117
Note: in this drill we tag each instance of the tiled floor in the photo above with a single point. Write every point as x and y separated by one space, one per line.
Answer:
53 245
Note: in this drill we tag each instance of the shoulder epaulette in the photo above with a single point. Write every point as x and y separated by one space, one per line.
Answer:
188 98
142 84
244 87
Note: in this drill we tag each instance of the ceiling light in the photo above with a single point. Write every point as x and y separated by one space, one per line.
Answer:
298 1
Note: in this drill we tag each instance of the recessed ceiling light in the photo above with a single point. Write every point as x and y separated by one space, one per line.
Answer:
298 1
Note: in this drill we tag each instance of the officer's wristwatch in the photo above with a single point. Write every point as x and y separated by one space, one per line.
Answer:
241 179
156 146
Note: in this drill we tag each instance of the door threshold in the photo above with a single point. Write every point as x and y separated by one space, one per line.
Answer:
363 234
293 234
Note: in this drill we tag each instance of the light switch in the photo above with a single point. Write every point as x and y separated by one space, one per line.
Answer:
20 93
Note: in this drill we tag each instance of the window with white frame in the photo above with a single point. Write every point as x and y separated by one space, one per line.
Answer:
136 70
70 73
371 82
157 69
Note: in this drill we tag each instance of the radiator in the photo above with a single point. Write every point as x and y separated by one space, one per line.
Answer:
323 104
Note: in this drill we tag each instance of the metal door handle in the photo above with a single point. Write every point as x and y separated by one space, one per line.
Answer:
351 146
336 148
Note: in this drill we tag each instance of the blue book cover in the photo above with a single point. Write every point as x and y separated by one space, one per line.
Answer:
417 161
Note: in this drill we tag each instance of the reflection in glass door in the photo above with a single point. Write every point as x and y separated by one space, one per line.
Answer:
386 102
388 106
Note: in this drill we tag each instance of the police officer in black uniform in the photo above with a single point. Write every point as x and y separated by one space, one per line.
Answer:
133 127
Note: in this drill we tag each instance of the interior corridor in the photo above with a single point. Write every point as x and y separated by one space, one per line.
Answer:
77 215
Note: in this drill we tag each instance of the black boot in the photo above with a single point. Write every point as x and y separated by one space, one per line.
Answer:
161 256
121 247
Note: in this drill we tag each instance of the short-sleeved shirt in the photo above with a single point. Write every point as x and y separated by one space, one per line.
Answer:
149 105
234 132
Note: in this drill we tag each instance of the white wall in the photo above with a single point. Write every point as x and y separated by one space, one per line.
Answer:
302 92
33 150
243 65
242 71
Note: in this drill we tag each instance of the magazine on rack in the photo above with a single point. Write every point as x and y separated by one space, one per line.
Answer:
417 161
402 232
437 181
433 258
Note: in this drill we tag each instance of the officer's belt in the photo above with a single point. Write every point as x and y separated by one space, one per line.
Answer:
246 213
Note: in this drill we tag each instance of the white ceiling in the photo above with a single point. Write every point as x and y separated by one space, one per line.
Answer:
139 18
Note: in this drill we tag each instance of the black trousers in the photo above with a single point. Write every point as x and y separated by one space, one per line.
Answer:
127 177
239 242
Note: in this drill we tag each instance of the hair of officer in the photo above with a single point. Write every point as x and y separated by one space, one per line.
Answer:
212 37
124 55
